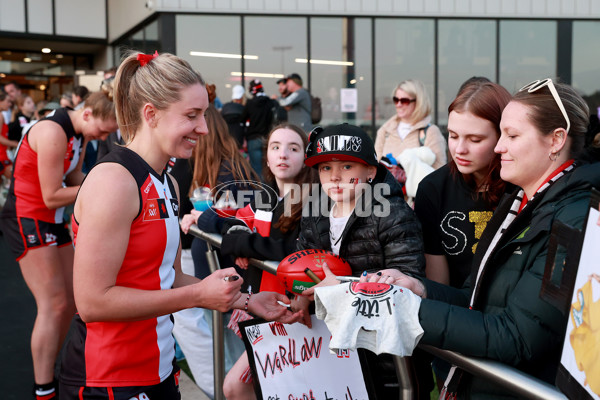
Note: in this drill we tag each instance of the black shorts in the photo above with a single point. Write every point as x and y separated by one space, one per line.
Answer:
23 234
166 390
4 164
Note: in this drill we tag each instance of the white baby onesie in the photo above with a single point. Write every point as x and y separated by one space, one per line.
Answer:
375 316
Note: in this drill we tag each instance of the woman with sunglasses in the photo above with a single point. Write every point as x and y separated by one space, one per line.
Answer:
499 314
411 126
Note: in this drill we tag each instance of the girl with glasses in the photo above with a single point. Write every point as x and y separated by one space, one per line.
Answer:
411 128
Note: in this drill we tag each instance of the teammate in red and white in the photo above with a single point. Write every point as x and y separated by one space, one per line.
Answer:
46 178
127 273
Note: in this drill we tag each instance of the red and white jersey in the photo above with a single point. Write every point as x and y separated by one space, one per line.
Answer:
25 194
138 353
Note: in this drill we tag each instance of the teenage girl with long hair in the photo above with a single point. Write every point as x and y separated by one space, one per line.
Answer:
455 202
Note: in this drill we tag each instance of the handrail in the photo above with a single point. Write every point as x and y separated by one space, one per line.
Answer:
215 240
510 378
518 382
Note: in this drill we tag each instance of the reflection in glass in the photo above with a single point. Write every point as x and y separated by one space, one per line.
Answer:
533 58
277 42
211 34
403 50
466 48
586 62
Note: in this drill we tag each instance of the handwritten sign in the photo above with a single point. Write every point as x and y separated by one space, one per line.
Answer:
579 374
293 362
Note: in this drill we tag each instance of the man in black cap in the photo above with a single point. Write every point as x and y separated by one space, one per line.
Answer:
279 113
282 87
298 103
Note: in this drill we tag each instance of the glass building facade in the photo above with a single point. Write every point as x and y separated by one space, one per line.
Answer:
374 54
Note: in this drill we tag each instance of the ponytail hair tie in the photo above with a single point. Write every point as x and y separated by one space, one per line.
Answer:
146 58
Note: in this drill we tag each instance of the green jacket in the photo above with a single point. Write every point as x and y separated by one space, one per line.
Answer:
509 321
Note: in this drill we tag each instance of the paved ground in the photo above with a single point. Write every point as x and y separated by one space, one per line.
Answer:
17 309
17 313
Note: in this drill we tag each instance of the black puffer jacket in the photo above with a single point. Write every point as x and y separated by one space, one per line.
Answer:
388 239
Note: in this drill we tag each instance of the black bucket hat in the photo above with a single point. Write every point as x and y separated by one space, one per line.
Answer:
340 143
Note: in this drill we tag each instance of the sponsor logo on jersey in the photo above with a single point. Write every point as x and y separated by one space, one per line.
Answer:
148 186
50 238
155 209
175 207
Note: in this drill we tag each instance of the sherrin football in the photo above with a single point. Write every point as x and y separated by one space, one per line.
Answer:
292 273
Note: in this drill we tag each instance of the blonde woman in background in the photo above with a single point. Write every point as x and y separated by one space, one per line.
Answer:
411 128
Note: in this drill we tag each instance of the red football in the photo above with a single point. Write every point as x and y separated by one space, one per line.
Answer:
292 270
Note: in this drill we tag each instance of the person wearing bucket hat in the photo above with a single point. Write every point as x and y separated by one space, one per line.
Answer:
361 216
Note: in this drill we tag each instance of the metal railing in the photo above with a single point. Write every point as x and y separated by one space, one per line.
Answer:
514 380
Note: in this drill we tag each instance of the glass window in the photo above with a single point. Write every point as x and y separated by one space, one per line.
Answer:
527 52
151 38
212 45
466 49
341 59
272 46
403 50
586 62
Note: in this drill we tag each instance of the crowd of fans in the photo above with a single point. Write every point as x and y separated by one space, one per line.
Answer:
467 226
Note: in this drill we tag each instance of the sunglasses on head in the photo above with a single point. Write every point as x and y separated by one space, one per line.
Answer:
538 84
403 100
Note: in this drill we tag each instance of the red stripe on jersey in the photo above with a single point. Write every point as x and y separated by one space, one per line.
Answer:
3 148
81 392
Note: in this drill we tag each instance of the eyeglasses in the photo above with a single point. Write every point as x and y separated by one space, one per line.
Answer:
403 100
538 84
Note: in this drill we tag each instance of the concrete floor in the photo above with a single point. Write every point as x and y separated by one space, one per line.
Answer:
18 313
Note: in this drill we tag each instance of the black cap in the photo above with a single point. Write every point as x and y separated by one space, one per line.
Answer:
340 143
282 80
255 86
